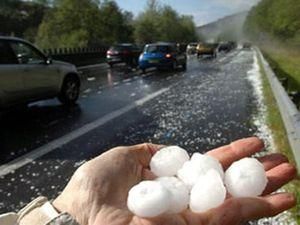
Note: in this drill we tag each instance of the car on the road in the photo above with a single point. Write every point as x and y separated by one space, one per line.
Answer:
162 55
225 47
27 75
123 53
247 45
191 48
207 49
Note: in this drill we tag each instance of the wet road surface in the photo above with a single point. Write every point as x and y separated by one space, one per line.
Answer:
204 107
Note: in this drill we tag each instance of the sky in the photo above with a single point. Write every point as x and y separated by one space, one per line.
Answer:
203 11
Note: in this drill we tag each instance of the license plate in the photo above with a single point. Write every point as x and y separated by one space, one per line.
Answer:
153 61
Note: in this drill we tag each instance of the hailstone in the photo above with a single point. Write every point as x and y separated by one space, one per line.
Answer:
179 193
209 192
198 166
246 178
168 161
148 199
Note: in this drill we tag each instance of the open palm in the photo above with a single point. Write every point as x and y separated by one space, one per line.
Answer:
97 192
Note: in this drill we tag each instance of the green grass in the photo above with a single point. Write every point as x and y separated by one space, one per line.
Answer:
275 123
286 63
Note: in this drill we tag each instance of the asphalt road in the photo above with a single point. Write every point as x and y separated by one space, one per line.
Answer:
208 105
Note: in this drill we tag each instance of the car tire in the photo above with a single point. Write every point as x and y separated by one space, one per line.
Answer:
111 65
143 71
70 90
174 65
184 66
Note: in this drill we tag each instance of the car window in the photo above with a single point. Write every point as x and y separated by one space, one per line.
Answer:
7 56
26 54
158 48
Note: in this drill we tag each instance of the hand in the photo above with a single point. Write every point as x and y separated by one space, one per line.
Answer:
97 192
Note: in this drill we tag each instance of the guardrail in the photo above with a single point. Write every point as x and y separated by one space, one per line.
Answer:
78 56
288 110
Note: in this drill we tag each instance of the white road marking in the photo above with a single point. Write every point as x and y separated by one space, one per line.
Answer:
91 78
127 80
45 149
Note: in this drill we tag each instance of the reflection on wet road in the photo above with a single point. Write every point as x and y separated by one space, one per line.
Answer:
206 106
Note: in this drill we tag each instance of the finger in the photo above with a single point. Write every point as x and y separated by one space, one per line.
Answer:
272 160
237 150
144 152
268 206
237 210
279 176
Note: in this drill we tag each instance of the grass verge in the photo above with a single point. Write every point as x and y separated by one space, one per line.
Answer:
285 63
276 125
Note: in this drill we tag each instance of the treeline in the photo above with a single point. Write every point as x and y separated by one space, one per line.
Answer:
278 19
89 23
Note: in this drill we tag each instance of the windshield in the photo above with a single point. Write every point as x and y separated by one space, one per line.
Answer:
158 48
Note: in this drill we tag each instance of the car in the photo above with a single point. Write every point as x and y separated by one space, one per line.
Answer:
191 48
225 47
162 55
247 45
207 49
123 53
27 75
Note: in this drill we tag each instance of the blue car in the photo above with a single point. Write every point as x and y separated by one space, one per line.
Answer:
162 55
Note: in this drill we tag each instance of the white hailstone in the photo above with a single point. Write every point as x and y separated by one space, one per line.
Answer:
168 161
179 193
209 192
198 166
246 178
148 199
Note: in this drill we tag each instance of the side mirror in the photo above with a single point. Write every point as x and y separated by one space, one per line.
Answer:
48 61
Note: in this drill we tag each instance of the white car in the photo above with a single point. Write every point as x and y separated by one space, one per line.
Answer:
27 75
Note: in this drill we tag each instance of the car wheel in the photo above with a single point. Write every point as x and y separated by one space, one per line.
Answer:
111 65
70 90
174 65
215 55
184 66
143 71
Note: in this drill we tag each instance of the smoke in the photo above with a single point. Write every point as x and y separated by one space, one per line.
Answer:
229 28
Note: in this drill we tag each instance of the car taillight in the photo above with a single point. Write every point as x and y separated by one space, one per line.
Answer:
126 52
109 52
168 56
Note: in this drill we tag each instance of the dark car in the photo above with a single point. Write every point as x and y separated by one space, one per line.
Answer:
27 75
123 53
247 45
225 47
163 55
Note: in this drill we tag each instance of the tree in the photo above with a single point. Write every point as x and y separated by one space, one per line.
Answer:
115 26
71 23
158 23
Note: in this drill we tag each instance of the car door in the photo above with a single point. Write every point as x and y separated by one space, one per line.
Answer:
39 78
11 85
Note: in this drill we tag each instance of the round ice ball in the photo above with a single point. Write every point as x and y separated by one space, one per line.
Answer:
148 199
179 193
209 192
198 166
246 178
168 161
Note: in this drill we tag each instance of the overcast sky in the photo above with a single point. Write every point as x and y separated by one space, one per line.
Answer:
204 11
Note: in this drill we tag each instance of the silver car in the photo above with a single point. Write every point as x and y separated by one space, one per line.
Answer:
27 75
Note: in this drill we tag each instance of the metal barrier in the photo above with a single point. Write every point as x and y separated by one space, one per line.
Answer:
288 110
